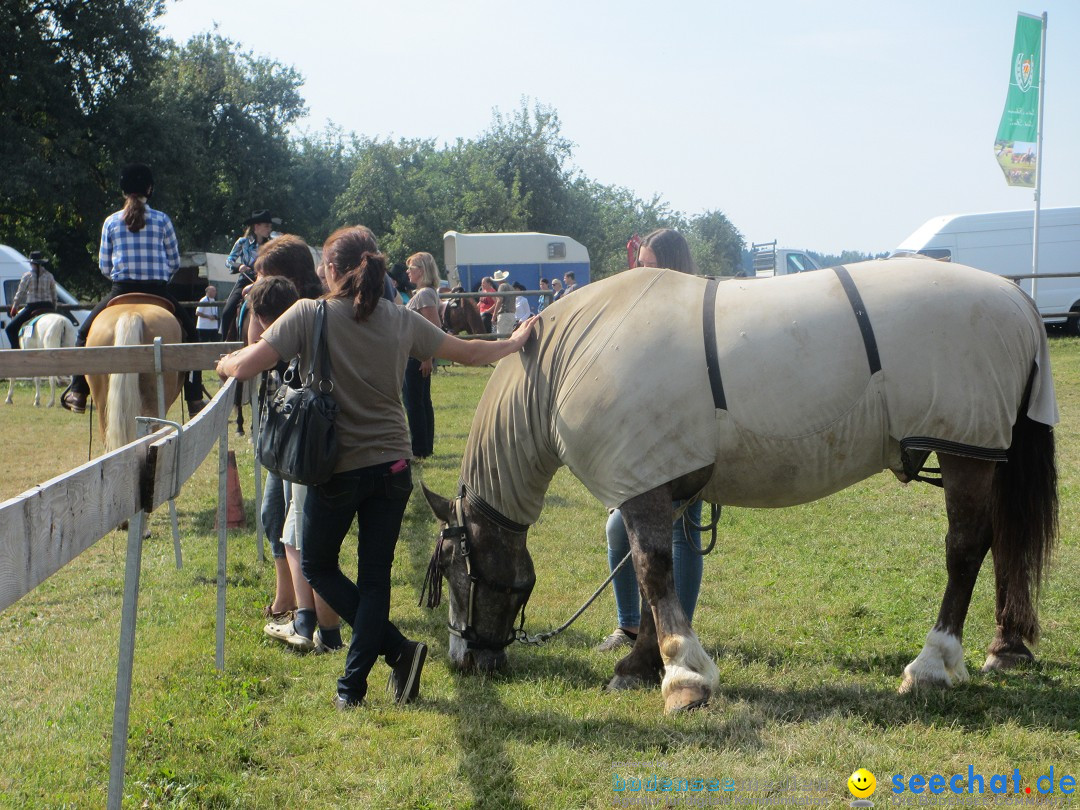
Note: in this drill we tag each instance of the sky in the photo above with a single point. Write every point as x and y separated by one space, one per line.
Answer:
824 125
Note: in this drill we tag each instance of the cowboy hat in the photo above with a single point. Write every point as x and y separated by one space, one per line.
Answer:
259 217
36 258
500 275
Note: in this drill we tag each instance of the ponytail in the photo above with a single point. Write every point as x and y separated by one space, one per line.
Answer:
135 212
356 258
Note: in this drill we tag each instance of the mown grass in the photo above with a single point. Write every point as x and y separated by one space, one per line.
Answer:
811 613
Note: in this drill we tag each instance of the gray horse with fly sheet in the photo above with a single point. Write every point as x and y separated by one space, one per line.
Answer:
653 386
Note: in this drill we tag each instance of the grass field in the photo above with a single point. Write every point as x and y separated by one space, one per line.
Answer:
810 612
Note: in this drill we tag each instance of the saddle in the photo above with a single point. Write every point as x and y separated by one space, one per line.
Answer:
143 298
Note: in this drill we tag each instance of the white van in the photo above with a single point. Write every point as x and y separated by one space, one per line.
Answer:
13 265
1000 242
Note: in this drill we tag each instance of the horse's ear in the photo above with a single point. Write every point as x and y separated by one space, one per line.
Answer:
439 505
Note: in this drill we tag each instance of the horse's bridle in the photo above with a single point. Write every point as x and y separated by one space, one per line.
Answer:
458 533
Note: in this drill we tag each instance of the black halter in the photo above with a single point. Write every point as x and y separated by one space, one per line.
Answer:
456 532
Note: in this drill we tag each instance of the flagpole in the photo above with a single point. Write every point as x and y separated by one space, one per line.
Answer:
1038 166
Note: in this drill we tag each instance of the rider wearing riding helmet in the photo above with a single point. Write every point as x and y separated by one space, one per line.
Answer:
139 253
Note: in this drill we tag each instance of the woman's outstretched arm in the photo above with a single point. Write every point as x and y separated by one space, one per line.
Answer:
482 352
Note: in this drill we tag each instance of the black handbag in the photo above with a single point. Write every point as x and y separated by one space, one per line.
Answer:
298 440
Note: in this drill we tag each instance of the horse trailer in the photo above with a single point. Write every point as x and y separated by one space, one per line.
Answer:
12 267
1000 242
527 257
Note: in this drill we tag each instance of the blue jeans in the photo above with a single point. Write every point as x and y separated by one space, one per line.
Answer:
275 505
377 499
416 391
686 562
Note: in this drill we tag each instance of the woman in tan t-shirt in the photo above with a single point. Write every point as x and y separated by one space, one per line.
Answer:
369 340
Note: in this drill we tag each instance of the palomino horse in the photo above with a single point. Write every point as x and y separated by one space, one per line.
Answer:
48 331
461 315
653 386
128 321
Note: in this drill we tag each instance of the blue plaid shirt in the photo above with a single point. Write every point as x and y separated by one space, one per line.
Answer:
152 254
243 252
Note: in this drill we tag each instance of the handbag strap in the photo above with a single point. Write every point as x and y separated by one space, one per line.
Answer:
320 359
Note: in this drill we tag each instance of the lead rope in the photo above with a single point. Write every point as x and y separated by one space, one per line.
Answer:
540 638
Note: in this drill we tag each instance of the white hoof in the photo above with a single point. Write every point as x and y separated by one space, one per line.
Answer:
690 676
939 664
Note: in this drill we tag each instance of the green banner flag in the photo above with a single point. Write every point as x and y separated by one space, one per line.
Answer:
1017 136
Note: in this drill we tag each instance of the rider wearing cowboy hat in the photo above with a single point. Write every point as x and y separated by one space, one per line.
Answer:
258 231
36 294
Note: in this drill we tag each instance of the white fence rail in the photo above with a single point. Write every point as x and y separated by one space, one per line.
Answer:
44 528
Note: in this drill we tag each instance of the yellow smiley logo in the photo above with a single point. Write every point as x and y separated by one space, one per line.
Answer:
861 783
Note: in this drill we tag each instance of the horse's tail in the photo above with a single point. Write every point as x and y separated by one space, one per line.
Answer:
1025 522
58 333
123 398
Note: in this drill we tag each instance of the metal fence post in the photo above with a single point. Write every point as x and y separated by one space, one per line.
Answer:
126 658
160 374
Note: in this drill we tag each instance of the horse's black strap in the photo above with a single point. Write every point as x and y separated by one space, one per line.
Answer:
860 315
708 323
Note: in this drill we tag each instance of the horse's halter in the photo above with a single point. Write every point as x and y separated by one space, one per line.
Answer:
457 532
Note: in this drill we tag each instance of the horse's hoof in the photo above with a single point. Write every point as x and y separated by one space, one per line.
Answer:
686 698
1007 660
911 684
620 683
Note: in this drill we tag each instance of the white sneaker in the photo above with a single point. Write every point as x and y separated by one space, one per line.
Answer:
617 639
300 643
279 632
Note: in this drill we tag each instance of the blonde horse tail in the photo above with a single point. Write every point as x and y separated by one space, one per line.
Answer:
123 398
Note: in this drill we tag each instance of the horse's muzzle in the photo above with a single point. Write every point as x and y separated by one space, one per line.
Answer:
475 661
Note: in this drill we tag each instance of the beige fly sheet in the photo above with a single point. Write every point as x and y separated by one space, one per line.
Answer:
818 381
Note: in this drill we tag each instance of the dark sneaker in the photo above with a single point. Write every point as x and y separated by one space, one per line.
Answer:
74 401
405 674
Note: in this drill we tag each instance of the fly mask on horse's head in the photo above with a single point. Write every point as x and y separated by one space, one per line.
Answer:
490 575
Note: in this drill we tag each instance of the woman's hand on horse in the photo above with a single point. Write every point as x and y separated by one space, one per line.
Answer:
482 352
425 367
523 331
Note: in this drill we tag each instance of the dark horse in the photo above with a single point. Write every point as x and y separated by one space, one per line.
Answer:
773 392
461 315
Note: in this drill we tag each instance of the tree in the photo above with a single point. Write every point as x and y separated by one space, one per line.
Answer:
218 137
715 244
68 65
527 150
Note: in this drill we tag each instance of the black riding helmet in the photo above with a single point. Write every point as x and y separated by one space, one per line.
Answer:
136 178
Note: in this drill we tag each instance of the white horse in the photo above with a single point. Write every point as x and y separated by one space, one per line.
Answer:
48 331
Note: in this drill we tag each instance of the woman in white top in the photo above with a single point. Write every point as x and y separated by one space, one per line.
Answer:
369 340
